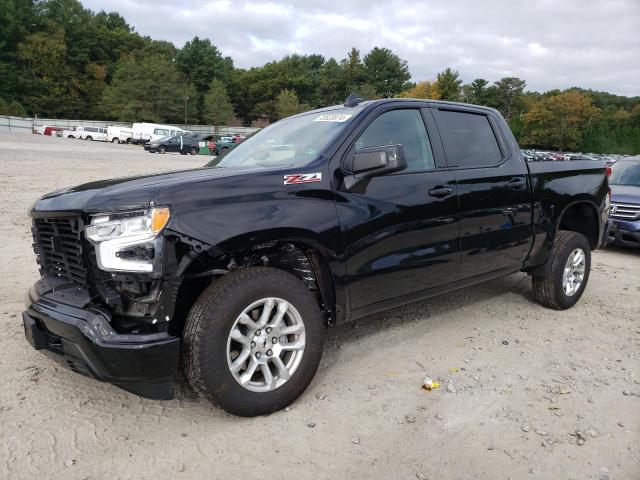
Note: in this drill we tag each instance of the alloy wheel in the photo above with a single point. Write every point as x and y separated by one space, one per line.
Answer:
266 344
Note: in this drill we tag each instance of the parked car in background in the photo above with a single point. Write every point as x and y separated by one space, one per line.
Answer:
177 143
70 132
92 133
624 216
51 130
149 132
119 134
222 146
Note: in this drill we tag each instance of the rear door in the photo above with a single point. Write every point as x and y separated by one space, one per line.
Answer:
493 191
400 229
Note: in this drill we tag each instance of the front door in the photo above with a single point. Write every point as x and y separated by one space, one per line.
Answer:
400 229
173 145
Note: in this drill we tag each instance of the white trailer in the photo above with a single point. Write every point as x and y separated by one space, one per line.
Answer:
119 134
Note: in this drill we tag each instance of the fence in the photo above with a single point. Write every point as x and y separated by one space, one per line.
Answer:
26 125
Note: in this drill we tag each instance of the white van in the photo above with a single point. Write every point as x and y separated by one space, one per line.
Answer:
149 132
92 133
119 134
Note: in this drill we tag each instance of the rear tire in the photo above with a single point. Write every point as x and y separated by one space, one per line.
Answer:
89 137
570 261
162 149
217 324
193 151
115 140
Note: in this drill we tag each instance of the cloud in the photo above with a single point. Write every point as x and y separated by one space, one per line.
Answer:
550 44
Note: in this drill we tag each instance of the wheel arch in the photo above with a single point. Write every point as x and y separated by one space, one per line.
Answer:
581 216
301 255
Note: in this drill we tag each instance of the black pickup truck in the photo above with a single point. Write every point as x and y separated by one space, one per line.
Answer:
234 269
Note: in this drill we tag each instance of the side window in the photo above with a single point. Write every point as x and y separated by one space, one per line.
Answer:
401 127
469 139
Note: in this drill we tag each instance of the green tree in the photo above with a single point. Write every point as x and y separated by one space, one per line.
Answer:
448 83
287 104
4 107
46 81
157 48
200 61
423 89
352 73
253 92
386 72
151 89
217 106
330 83
16 110
634 118
466 94
559 121
510 94
18 18
478 91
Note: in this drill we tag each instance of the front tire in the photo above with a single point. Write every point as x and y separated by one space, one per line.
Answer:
162 149
252 342
570 261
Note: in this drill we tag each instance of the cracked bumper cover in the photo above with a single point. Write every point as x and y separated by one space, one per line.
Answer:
58 322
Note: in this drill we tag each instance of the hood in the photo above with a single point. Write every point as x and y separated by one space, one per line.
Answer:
130 192
625 194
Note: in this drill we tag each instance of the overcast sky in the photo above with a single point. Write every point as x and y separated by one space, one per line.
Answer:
550 44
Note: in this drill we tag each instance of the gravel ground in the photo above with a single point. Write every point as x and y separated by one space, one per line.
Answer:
525 392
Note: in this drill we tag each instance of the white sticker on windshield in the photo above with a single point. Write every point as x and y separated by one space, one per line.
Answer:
333 117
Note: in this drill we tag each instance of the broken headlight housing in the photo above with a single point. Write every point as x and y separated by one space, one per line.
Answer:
126 242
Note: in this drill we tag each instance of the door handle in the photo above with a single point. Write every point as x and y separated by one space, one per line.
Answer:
517 184
440 192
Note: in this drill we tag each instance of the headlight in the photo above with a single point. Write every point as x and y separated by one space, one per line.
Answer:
124 242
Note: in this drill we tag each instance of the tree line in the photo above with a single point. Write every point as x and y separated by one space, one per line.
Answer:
59 59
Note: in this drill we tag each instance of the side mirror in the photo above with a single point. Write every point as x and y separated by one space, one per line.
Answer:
374 161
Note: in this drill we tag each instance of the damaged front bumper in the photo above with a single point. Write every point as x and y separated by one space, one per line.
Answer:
61 321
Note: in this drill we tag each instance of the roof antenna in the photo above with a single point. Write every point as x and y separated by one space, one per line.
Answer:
353 100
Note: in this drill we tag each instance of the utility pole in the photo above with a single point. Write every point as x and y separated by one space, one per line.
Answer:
186 99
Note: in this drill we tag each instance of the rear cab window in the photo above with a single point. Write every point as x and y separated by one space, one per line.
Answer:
469 139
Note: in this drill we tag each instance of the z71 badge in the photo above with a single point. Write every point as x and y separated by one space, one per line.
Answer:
298 178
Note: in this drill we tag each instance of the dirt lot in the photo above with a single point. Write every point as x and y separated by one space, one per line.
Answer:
518 380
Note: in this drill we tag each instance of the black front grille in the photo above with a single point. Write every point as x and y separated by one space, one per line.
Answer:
58 245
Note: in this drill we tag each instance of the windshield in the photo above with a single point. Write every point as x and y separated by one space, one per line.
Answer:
292 141
625 173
